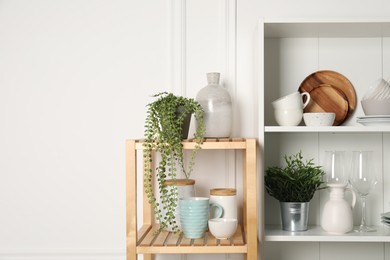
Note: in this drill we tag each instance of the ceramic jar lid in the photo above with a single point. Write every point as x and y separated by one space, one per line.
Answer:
223 192
180 182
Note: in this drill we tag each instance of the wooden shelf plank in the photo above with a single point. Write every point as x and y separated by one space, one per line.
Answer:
211 240
185 241
220 143
143 231
161 237
193 250
327 129
316 233
225 242
199 242
150 236
173 239
238 238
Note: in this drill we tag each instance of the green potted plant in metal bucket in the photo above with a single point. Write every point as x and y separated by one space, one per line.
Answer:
166 125
294 186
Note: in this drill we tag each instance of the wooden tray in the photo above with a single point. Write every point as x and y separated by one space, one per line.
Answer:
326 98
335 94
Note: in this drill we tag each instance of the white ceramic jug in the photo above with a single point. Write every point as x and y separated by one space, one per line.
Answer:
337 214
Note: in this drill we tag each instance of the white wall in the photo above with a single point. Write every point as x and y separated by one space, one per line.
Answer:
75 76
74 79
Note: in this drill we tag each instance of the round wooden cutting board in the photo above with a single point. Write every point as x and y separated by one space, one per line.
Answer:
334 92
326 98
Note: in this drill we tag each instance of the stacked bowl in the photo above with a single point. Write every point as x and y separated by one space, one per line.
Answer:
376 104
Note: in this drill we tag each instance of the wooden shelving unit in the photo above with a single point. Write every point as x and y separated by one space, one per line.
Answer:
145 240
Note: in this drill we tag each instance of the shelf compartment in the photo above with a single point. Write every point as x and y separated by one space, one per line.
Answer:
143 241
316 233
151 242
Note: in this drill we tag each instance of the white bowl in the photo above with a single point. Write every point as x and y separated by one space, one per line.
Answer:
377 90
319 119
376 107
222 228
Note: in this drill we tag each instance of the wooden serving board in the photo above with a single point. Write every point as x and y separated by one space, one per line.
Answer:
326 98
324 79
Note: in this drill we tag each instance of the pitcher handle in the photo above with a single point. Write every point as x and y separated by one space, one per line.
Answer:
219 211
307 98
353 197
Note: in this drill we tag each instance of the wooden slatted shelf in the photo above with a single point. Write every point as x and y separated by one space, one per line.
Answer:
147 242
169 243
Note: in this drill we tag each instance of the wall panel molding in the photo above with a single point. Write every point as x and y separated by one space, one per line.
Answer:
228 61
178 46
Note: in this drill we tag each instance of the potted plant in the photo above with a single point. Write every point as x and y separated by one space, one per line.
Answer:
294 186
164 124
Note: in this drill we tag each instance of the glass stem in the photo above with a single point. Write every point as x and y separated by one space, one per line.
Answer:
363 222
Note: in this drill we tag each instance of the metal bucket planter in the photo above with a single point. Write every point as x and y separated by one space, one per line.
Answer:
294 215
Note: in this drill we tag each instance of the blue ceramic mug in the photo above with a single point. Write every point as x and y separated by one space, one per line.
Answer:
194 215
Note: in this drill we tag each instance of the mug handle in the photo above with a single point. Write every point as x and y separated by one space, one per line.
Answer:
307 98
219 210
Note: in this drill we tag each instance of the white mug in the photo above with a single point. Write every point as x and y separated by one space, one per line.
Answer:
292 101
288 117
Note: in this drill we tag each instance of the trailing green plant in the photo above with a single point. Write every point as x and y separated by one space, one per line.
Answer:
163 134
296 182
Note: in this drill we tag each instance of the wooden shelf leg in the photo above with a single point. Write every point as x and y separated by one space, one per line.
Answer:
131 199
148 257
250 198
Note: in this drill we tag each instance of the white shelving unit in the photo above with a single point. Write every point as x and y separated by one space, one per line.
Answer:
290 50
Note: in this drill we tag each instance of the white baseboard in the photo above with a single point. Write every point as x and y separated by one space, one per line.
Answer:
62 254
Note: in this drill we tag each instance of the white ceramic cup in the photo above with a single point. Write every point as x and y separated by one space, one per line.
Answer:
292 101
288 117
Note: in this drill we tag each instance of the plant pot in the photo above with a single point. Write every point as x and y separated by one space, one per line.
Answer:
186 123
294 215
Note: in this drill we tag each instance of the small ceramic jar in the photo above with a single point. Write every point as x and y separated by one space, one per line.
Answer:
227 198
185 188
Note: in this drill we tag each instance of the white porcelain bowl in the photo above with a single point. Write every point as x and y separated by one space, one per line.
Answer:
376 107
222 228
319 119
380 89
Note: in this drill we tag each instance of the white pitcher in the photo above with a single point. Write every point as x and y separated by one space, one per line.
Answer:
337 214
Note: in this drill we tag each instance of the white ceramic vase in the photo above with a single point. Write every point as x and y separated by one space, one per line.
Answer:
337 215
217 105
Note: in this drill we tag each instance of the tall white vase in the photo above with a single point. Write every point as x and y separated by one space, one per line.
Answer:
217 105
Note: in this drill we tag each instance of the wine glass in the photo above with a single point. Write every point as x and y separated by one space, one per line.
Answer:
334 167
363 181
